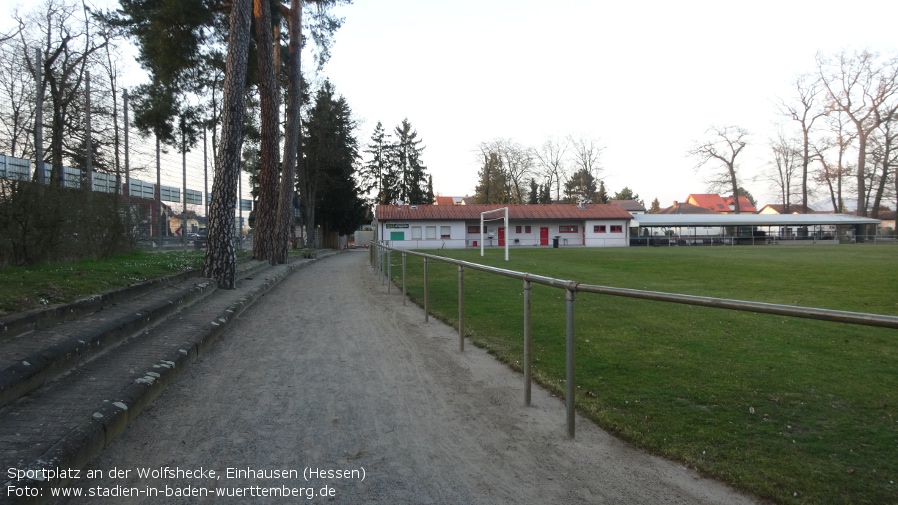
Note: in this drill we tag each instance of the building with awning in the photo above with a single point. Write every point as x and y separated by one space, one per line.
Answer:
729 229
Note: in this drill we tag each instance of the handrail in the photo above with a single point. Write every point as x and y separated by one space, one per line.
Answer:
573 287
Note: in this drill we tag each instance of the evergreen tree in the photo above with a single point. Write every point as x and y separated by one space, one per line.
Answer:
545 195
406 158
492 185
626 194
378 173
533 198
656 206
331 151
583 185
601 194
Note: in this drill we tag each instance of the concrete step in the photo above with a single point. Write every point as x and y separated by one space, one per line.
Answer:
65 422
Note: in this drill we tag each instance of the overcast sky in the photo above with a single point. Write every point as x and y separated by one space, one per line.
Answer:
646 78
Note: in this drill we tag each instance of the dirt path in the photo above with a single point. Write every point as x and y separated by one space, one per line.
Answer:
328 372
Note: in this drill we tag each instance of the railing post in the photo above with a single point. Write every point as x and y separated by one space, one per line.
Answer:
461 309
569 379
403 278
389 271
426 294
527 342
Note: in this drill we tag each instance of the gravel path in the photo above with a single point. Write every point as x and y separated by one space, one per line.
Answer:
329 373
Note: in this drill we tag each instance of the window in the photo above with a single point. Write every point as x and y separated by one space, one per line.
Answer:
616 228
445 232
431 233
526 229
599 228
416 233
473 229
517 229
567 228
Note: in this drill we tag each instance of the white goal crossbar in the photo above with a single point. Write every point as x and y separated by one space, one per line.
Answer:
484 218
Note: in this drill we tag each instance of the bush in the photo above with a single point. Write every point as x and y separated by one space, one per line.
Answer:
40 224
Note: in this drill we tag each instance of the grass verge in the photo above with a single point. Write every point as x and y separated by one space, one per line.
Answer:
792 410
25 288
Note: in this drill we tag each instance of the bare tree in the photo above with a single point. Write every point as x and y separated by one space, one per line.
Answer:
68 46
17 92
786 165
517 166
550 160
721 150
859 85
831 153
884 154
805 110
585 152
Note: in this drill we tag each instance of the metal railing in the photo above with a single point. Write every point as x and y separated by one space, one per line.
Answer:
381 259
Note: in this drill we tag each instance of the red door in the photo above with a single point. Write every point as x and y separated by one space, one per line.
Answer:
544 235
501 237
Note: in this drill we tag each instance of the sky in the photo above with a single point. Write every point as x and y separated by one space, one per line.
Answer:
647 79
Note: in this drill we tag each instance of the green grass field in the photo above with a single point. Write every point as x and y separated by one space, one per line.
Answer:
792 410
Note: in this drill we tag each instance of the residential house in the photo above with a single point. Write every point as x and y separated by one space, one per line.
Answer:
720 204
634 207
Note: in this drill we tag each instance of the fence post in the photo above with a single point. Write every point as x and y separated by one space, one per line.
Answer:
461 309
389 271
403 279
527 342
569 368
426 294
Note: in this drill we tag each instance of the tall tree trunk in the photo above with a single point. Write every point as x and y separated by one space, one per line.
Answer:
266 213
293 133
805 161
221 257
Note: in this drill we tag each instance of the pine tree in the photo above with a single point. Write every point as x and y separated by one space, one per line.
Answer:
492 185
411 173
533 197
331 151
378 173
583 185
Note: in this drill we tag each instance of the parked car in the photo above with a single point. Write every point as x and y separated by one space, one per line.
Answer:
199 242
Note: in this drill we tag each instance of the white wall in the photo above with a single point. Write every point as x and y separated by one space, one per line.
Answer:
423 234
415 234
607 238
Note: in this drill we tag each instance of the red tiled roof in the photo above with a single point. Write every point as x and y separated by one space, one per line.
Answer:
744 204
685 208
708 201
444 200
631 205
517 212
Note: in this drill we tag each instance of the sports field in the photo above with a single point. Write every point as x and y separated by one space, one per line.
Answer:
794 410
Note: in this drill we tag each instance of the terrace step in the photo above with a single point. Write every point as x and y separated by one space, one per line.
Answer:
63 337
66 421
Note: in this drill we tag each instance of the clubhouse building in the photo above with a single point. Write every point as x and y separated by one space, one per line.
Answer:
598 225
458 226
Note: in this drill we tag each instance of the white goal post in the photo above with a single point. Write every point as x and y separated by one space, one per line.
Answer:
483 218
